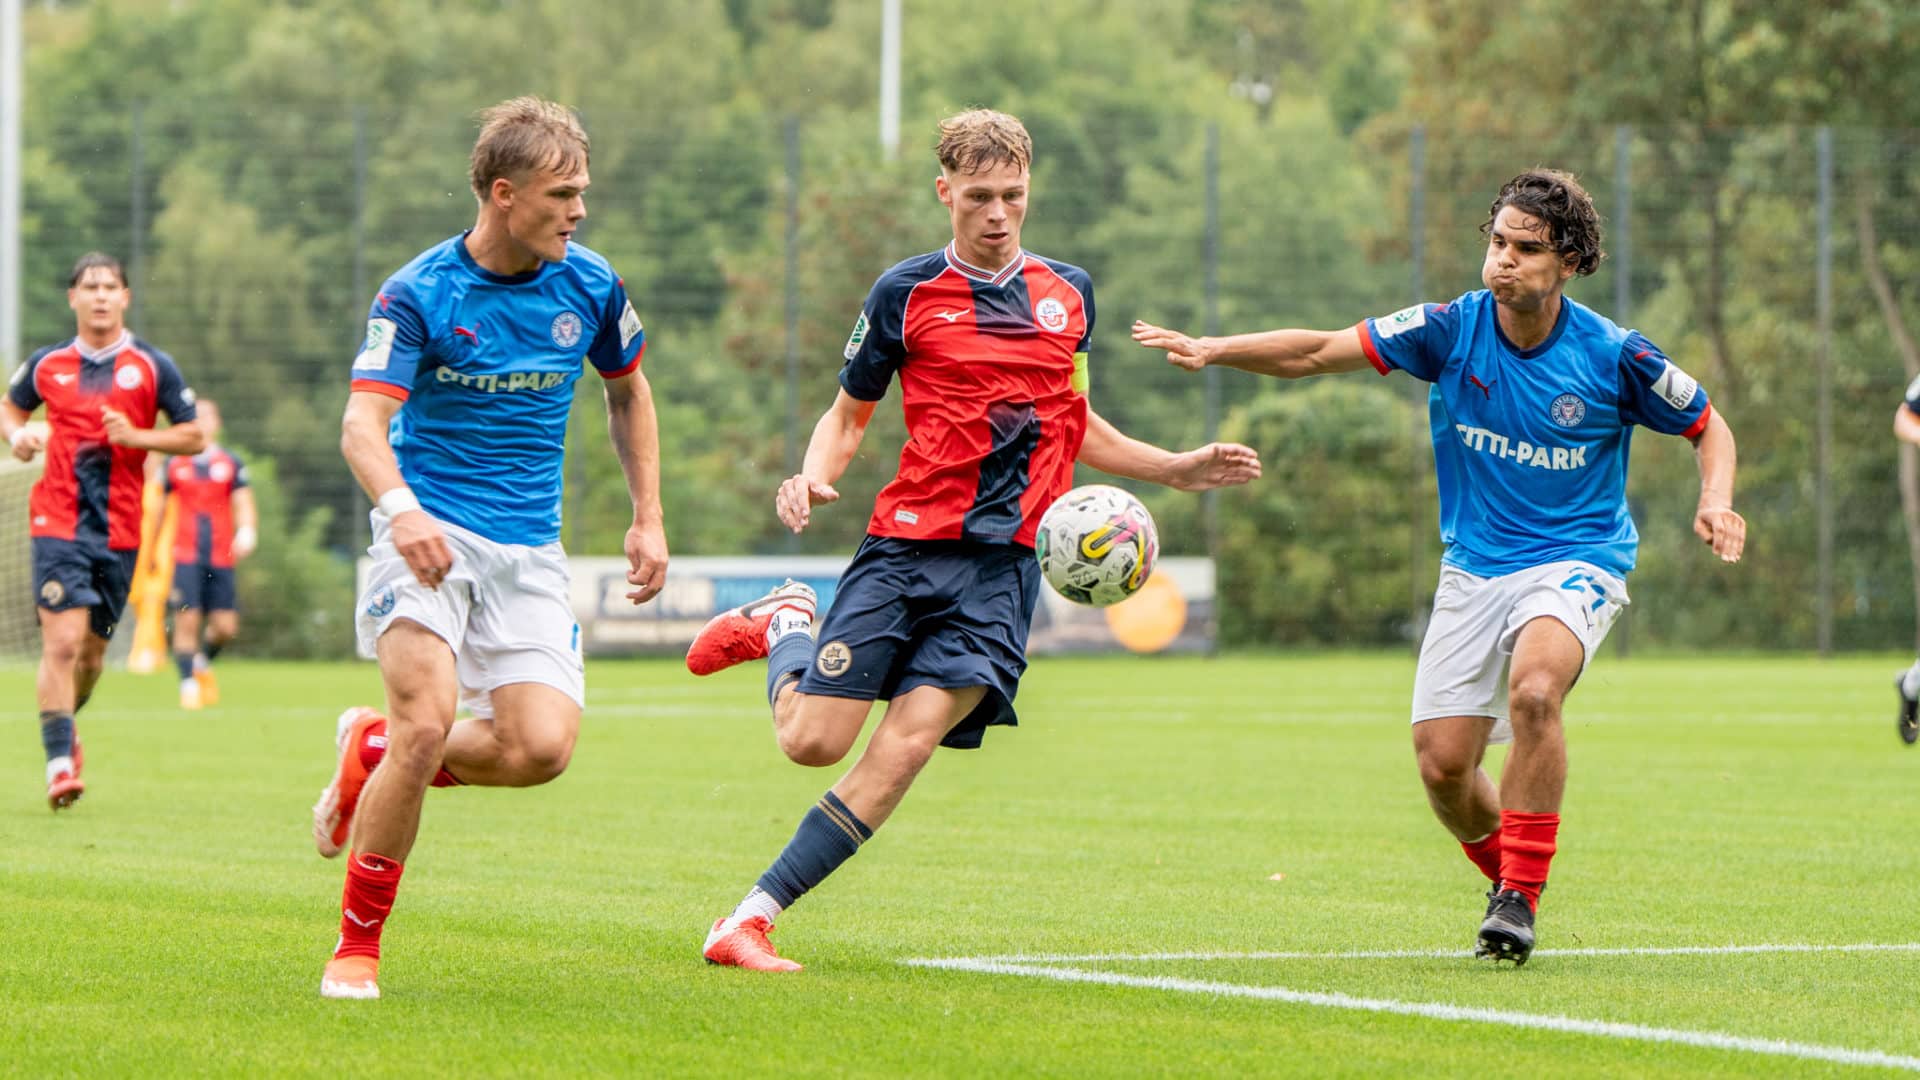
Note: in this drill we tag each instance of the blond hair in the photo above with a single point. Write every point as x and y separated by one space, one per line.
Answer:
523 135
979 139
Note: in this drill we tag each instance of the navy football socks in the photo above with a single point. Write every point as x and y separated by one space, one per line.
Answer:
827 837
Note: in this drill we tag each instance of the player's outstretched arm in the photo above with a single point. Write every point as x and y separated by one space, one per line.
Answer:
1214 465
1715 521
1284 354
363 442
836 436
635 427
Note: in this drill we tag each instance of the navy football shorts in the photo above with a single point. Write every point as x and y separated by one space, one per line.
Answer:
945 613
204 588
68 574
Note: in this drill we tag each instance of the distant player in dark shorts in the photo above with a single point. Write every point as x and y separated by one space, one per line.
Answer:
990 347
215 526
103 389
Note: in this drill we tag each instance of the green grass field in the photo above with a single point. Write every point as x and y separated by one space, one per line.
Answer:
176 920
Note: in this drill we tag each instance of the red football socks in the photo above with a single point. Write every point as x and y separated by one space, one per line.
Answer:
366 903
1526 848
373 747
1485 853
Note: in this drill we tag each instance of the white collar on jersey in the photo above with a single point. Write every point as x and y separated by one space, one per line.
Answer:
105 351
996 277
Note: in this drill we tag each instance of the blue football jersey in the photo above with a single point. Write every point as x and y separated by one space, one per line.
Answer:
1530 445
486 363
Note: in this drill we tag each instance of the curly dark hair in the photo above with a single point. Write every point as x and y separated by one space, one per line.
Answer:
1556 198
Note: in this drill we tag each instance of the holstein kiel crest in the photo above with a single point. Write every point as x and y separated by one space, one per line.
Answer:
1567 410
565 329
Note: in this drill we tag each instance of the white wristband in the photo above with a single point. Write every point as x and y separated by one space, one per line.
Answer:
398 501
244 536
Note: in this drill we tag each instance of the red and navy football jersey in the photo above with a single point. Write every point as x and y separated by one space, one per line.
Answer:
993 380
204 485
90 490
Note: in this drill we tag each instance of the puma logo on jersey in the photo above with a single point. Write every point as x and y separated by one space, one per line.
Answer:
951 316
1485 388
462 331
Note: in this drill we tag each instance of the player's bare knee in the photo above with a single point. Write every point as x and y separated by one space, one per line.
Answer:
542 759
805 745
1444 771
1533 702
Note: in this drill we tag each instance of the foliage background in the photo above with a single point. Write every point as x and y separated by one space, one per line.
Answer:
265 165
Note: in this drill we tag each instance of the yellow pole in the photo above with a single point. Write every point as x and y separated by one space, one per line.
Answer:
152 579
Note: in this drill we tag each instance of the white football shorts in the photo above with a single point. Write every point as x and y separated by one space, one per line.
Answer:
1469 642
503 609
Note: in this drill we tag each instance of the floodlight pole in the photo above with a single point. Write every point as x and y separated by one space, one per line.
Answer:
12 86
890 79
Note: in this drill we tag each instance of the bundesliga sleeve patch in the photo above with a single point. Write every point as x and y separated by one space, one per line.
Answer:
629 325
1676 386
377 348
1913 388
1407 318
859 336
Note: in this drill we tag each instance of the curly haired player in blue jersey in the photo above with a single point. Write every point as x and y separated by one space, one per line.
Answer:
456 428
989 344
1533 404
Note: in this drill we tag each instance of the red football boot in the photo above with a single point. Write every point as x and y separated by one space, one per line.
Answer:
737 636
333 814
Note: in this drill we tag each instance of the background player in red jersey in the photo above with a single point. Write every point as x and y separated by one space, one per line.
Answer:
990 347
214 528
103 389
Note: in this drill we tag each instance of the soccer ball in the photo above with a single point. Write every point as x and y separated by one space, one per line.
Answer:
1096 545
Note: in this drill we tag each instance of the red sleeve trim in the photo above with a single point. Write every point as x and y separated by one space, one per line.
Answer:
1366 346
1699 425
375 386
630 368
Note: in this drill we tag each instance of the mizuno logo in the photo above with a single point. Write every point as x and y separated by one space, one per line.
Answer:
1485 388
950 316
63 379
364 924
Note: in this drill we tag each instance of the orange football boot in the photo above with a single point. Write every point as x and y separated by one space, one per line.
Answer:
737 636
333 814
745 946
351 977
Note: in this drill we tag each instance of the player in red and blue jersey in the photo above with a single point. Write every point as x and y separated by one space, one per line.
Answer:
103 390
215 526
1533 404
456 428
989 344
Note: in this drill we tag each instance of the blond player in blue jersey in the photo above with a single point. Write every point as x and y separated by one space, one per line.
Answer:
456 428
1533 404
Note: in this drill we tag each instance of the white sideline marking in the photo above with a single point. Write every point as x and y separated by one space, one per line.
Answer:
1034 967
1418 954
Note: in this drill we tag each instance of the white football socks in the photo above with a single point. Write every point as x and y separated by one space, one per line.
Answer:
1910 682
758 902
61 764
786 621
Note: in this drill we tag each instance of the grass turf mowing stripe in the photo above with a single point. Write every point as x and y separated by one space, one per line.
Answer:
1712 1040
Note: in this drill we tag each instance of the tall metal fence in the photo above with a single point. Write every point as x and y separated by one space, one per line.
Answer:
1773 264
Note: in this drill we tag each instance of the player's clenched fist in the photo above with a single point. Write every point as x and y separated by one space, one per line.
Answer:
795 500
